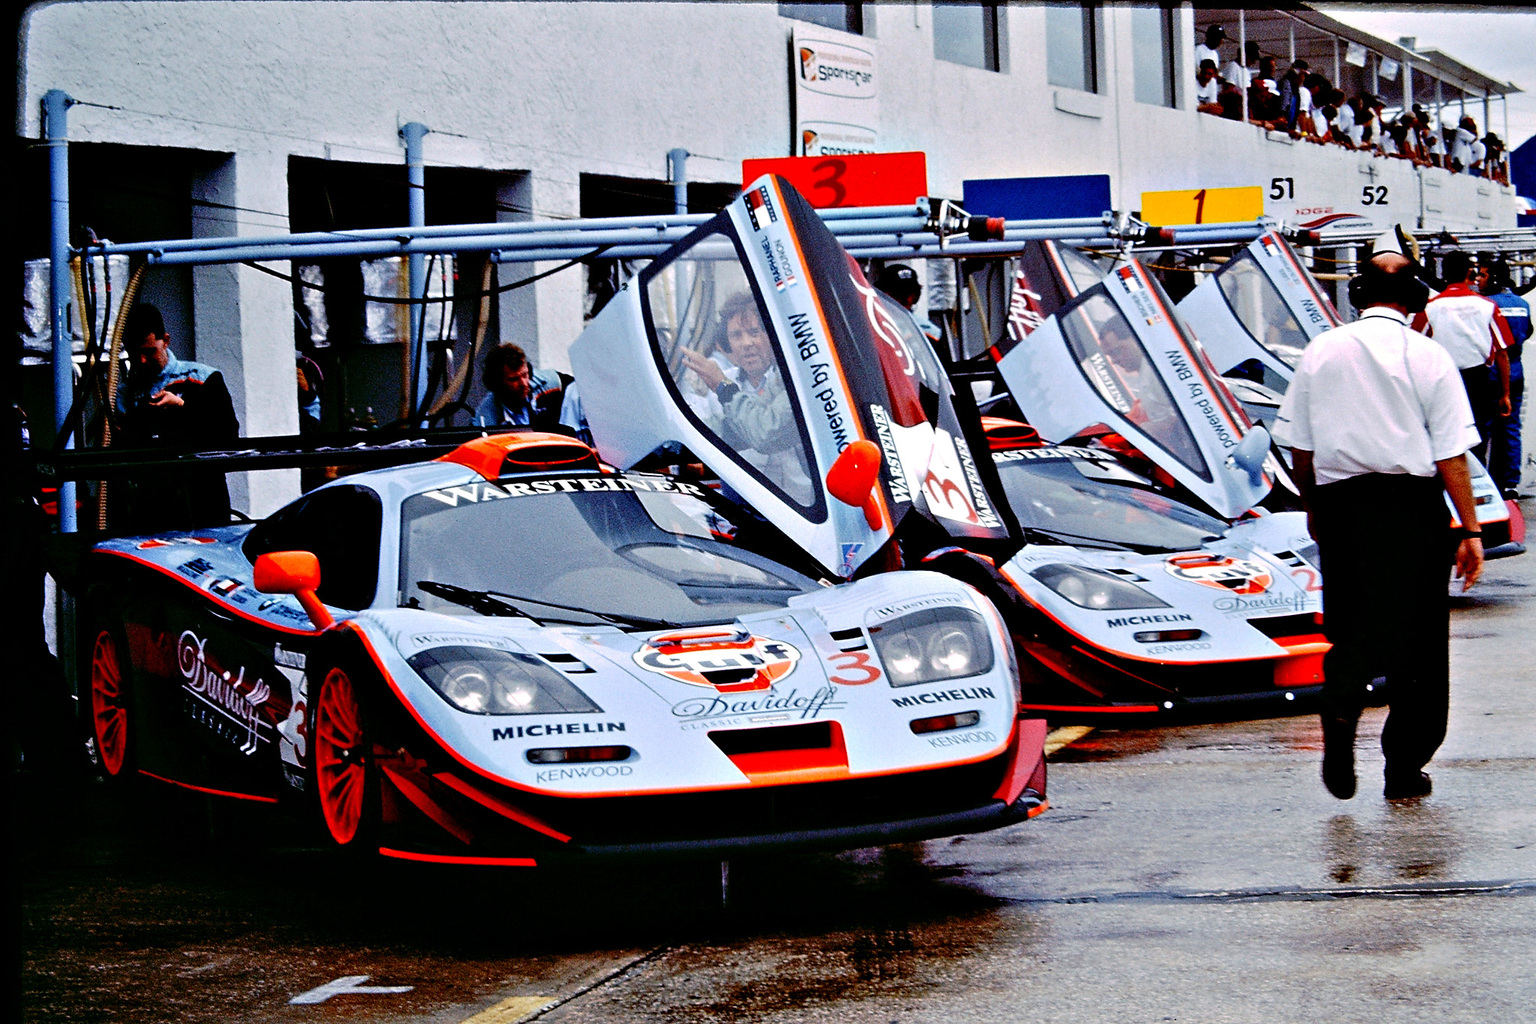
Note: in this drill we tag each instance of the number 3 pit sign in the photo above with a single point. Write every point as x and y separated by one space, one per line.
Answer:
860 179
1202 206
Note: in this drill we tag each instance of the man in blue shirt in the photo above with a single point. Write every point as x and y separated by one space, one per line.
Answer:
175 403
1506 460
520 396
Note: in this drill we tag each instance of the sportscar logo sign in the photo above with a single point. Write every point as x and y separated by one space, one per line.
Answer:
724 661
1234 575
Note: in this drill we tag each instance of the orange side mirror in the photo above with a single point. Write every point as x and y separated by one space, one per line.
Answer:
296 573
852 479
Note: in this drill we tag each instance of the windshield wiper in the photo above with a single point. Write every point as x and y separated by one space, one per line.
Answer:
476 600
490 602
722 584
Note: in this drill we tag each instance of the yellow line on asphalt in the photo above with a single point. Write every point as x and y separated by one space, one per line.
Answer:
1065 736
509 1010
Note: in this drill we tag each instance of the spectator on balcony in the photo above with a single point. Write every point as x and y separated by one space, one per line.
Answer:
1231 100
1263 99
1343 121
1477 168
1210 50
1461 145
1290 94
1208 89
1497 165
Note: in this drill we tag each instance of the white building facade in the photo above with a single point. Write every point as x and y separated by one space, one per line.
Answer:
556 105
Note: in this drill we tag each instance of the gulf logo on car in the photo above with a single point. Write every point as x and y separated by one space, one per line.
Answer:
1234 575
729 661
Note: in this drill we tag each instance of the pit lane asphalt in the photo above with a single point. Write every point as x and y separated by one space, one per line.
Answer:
1194 872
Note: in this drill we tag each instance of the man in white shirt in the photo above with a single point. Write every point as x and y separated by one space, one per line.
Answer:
1207 89
1473 330
1378 425
1210 49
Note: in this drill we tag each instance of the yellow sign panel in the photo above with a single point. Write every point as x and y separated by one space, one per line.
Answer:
1203 206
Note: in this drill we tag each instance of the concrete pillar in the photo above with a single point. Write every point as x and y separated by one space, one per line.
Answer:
518 321
556 192
245 318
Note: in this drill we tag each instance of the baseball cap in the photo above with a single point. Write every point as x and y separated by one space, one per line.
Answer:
898 279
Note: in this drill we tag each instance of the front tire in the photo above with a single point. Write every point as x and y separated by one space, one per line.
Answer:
111 715
344 775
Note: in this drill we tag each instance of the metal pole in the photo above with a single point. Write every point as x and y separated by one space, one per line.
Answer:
416 179
1242 57
677 159
56 138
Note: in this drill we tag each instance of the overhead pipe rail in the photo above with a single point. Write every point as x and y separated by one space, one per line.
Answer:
924 225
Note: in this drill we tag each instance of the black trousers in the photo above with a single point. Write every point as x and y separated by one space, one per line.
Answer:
1384 545
1483 393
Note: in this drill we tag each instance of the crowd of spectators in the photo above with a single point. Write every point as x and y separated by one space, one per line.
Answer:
1306 105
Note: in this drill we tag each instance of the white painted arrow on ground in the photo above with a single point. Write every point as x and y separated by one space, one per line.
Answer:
343 986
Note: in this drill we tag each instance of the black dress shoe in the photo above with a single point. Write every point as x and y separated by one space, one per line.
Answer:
1339 756
1407 787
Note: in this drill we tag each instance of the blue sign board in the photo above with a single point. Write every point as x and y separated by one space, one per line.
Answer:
1047 198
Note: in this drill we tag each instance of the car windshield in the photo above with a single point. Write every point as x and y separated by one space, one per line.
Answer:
614 547
1262 309
1077 499
1113 359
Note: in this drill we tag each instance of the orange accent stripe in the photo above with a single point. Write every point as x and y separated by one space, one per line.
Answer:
426 805
1124 709
214 792
506 810
178 577
442 858
878 493
1045 805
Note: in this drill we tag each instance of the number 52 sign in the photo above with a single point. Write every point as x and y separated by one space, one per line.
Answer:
857 179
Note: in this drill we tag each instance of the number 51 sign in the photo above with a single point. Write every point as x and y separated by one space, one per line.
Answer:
858 179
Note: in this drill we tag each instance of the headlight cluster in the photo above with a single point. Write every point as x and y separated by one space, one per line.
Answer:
932 645
1089 588
488 681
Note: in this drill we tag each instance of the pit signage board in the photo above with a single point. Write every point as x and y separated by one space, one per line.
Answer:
836 93
1202 206
867 179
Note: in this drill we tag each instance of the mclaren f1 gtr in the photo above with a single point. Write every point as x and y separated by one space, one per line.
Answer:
515 654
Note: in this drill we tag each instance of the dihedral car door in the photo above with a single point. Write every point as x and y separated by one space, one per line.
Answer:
1262 305
777 409
1118 355
922 437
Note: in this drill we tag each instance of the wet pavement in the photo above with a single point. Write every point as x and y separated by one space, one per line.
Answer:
1194 872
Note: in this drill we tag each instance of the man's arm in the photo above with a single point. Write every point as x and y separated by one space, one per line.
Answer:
1503 339
1458 484
1306 479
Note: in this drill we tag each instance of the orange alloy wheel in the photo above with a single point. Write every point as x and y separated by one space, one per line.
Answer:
109 712
341 776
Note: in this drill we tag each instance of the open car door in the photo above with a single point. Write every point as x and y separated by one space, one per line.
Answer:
1118 355
1260 309
757 344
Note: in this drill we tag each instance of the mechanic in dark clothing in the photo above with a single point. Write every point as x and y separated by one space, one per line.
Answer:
1378 424
174 403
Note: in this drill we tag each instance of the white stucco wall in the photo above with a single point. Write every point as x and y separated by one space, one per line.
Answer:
561 89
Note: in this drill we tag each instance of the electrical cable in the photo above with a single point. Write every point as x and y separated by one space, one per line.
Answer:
408 302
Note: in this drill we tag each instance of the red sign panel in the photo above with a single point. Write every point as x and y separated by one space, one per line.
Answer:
858 179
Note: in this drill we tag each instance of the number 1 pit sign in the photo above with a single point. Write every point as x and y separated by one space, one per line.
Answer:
858 179
1202 206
